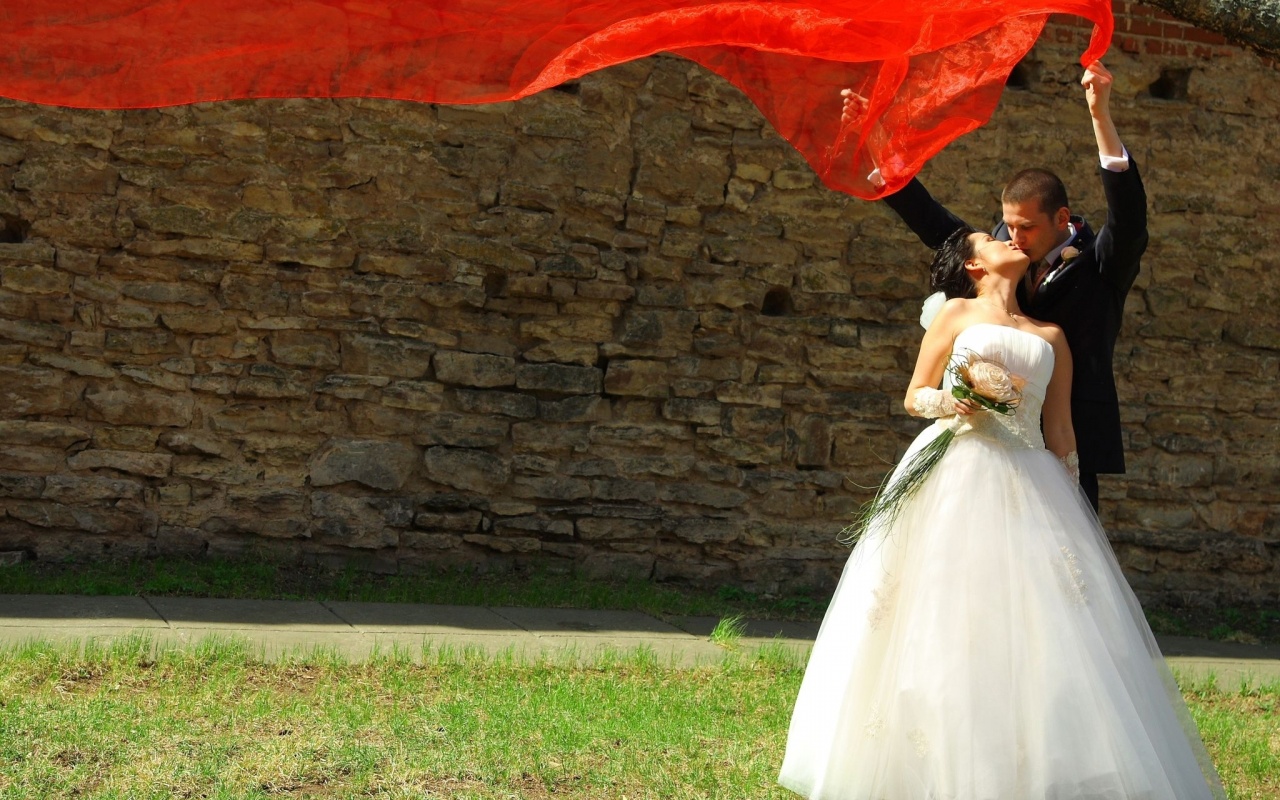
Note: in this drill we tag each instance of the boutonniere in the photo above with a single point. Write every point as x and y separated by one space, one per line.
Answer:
1065 258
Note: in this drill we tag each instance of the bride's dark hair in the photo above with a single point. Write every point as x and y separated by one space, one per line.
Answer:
947 273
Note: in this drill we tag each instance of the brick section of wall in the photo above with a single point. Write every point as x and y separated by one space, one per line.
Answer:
617 326
1145 30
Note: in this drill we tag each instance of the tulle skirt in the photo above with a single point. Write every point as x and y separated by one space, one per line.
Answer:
985 646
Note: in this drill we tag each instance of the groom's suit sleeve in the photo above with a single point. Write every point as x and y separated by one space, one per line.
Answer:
1123 239
924 215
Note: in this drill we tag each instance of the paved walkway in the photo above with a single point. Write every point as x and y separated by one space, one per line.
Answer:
356 630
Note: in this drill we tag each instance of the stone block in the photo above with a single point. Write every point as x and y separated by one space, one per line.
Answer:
505 544
360 522
268 501
322 256
609 529
509 404
744 451
168 293
125 437
23 458
461 430
41 334
28 391
394 357
545 528
72 364
649 436
478 370
28 253
463 522
194 443
222 471
151 465
376 464
72 175
468 470
658 328
815 441
706 531
563 352
731 392
696 411
102 521
559 378
199 249
414 395
753 422
567 266
302 349
141 343
196 322
581 329
21 487
582 408
271 387
33 279
637 378
417 267
157 377
620 489
79 490
701 495
560 488
130 316
41 434
352 387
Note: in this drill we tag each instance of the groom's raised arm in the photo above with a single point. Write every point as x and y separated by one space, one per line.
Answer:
1122 241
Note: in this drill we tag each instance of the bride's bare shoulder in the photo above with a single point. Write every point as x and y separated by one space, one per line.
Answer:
1048 331
956 310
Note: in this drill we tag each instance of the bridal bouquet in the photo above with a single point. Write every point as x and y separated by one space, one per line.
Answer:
983 382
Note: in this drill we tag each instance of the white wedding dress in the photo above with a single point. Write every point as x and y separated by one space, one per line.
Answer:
984 644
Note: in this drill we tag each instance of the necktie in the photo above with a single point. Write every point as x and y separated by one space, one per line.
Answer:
1039 271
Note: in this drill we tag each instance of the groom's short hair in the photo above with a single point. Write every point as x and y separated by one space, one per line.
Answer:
1036 184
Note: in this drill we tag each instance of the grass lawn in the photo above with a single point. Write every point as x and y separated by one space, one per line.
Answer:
213 722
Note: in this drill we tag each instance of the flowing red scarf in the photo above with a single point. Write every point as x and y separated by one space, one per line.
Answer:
930 70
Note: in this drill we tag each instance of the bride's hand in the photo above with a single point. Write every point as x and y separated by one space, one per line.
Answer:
965 407
853 106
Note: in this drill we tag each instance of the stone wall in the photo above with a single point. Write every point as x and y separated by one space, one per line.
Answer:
617 326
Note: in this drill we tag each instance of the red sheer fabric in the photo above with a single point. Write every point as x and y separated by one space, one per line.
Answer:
930 70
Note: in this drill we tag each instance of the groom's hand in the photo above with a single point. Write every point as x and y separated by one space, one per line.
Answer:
1097 89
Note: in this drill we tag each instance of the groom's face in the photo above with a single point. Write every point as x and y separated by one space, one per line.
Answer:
1034 230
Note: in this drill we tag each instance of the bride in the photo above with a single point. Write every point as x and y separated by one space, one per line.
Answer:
982 643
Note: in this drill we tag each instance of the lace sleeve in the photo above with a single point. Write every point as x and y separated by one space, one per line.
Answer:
933 403
1071 462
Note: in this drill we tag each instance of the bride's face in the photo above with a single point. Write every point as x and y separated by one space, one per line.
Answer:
995 256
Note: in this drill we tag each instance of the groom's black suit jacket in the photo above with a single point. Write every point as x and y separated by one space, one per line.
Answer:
1086 299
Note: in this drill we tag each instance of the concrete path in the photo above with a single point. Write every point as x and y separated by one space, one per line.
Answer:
356 630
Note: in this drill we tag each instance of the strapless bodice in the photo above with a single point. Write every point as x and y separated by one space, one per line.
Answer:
1022 354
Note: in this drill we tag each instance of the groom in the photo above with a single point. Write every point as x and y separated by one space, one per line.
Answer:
1077 280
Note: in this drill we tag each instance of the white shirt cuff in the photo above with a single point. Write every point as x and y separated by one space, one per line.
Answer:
1116 163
